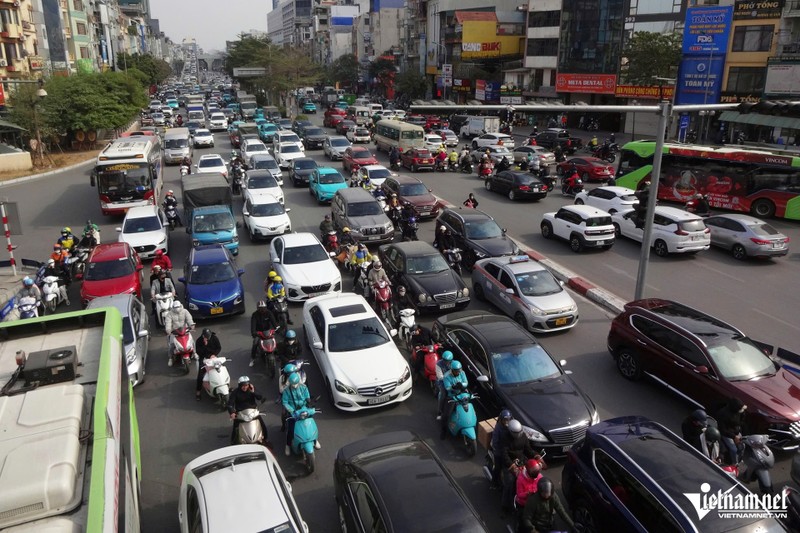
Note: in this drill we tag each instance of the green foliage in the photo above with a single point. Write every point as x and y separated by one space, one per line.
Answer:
157 70
247 52
26 111
410 84
650 54
384 71
139 76
301 117
344 70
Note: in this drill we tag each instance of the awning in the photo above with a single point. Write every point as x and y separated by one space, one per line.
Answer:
760 120
10 126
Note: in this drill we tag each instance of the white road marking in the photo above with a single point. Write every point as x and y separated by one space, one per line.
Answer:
776 319
722 273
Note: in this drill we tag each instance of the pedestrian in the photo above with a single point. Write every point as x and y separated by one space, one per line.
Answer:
564 120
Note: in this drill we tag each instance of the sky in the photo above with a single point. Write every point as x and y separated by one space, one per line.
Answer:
210 22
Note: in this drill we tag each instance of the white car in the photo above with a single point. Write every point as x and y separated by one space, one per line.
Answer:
305 266
399 114
251 147
261 182
361 364
449 136
286 136
146 230
212 163
608 198
218 122
674 230
358 135
212 497
490 139
264 216
203 137
433 142
582 226
286 152
377 174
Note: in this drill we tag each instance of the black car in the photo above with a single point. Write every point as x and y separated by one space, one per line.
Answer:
193 126
299 125
313 137
424 272
394 482
301 168
477 234
517 185
509 369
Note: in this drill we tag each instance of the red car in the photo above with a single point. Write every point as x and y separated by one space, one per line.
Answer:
344 125
357 156
113 268
412 190
333 117
433 122
417 158
589 168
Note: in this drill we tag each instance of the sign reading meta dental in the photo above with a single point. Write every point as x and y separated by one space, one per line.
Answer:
586 83
707 30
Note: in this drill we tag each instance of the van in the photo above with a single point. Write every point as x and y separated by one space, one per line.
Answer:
375 108
177 145
358 210
197 115
361 115
362 102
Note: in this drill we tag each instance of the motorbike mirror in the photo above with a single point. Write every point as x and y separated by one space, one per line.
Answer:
317 345
143 333
563 362
561 282
392 332
702 370
119 230
240 271
482 379
182 279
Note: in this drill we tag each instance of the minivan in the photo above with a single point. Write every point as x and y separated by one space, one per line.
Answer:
177 145
358 210
213 224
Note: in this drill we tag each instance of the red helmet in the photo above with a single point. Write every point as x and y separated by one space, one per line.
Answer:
159 253
534 467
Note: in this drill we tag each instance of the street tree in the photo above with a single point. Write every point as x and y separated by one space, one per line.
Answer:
649 54
157 70
344 71
383 72
411 85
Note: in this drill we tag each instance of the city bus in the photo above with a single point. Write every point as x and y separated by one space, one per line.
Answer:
128 173
69 448
757 182
389 133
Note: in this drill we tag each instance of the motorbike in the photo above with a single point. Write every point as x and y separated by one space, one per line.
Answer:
409 229
566 190
331 241
305 435
217 380
698 208
453 258
250 430
77 260
408 323
430 355
485 171
181 348
452 166
184 170
395 214
51 294
466 167
463 420
382 293
395 166
173 218
758 460
280 309
606 154
361 286
163 305
265 350
28 307
381 201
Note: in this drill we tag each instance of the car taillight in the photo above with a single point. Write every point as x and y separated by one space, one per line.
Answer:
681 232
707 230
760 241
524 188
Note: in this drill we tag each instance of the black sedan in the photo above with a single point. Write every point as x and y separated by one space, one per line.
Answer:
509 369
313 137
424 272
301 169
394 482
477 234
517 185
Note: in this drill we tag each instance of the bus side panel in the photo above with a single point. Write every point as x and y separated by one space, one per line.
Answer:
792 209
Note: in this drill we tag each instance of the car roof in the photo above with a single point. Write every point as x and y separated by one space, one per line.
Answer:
676 213
705 326
374 167
327 170
342 307
260 198
261 155
120 302
496 330
355 194
585 210
291 240
337 137
404 179
414 248
616 189
208 254
210 156
747 220
514 264
109 251
468 214
259 173
145 211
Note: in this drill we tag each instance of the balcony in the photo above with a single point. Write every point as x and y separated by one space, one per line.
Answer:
10 31
68 32
28 27
790 50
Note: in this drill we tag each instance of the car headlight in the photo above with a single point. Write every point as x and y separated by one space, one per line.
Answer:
389 226
534 435
405 376
163 240
422 297
535 311
357 231
235 238
192 307
344 389
573 308
130 357
595 418
239 299
479 255
463 293
195 242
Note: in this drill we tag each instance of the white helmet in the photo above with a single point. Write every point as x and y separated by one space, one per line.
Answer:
244 379
177 305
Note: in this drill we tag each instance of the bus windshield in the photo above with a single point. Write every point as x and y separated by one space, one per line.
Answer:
412 134
129 179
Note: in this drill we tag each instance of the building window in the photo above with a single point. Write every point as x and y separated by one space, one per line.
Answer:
10 51
77 5
542 47
84 52
753 38
80 28
748 80
544 19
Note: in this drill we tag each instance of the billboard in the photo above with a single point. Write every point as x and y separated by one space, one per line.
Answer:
645 92
783 79
757 9
707 30
700 80
586 83
54 30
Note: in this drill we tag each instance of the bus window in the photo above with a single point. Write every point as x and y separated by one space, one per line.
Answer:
416 134
630 161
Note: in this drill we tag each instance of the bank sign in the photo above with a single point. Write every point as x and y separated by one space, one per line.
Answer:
707 30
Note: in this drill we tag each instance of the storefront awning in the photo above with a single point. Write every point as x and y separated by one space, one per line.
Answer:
760 120
10 126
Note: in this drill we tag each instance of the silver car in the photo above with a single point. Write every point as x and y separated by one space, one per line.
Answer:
135 331
526 291
497 153
745 236
335 146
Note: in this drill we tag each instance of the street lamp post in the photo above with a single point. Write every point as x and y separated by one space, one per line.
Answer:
41 95
633 121
706 120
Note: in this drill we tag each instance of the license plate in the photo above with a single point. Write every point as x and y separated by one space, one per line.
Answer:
561 321
373 237
600 243
695 237
565 449
216 310
378 400
777 245
447 306
535 189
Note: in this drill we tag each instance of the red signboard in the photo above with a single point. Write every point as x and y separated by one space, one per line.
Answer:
649 92
586 83
2 95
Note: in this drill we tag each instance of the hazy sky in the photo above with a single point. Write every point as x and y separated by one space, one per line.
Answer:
210 22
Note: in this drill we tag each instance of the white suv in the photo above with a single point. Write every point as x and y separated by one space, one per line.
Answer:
285 136
217 122
674 230
582 226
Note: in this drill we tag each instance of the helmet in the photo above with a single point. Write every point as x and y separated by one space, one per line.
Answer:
177 305
455 365
161 273
294 378
377 264
206 333
57 247
394 195
505 414
290 369
159 253
401 290
170 192
345 230
262 304
272 274
327 217
712 434
27 281
244 379
442 228
156 268
89 222
277 278
515 427
66 230
291 334
698 196
545 487
447 355
533 467
699 415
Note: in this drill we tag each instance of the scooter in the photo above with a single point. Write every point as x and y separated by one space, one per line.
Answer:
28 307
184 170
173 218
395 166
758 460
571 191
51 293
430 355
181 347
463 420
453 258
217 380
280 309
266 350
250 430
466 167
382 294
361 286
77 260
485 171
163 305
409 229
305 435
452 166
408 323
698 208
236 182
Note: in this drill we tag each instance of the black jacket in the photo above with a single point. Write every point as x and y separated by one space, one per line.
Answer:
207 349
444 242
519 448
691 433
538 513
730 419
262 322
421 338
240 400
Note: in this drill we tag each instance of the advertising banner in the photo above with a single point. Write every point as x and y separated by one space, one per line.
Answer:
699 80
480 90
2 95
648 92
783 80
707 30
462 85
586 83
757 9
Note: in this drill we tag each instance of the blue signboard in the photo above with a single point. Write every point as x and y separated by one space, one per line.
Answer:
700 80
707 30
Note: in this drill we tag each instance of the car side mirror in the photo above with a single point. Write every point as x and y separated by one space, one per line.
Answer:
288 210
563 362
240 271
317 345
119 230
143 333
702 370
482 379
182 279
509 290
245 213
505 230
276 260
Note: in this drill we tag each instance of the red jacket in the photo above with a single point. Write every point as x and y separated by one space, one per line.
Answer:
525 486
164 262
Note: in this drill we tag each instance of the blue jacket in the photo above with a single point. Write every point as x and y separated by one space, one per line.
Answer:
293 399
450 380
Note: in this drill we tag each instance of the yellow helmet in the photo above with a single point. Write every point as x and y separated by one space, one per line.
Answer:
277 278
345 230
272 274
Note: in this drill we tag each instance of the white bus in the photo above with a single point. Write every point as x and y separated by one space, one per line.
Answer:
389 133
128 174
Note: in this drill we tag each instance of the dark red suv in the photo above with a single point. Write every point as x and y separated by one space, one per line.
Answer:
707 361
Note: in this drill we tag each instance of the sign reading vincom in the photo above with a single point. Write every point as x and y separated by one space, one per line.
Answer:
586 83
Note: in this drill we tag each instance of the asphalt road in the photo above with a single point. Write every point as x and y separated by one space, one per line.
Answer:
176 429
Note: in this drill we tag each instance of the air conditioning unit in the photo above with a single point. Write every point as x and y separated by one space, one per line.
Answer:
48 367
3 63
16 3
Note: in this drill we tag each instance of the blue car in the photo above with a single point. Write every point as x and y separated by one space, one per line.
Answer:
213 285
323 183
310 107
267 131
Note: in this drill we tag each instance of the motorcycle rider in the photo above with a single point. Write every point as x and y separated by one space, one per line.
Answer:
60 256
420 338
730 420
501 436
379 193
394 157
541 507
187 162
276 288
88 239
527 481
261 321
294 397
503 165
346 238
518 451
693 427
441 157
67 239
289 349
471 201
640 209
29 289
698 205
442 368
571 183
325 227
404 300
177 318
377 273
464 157
91 228
454 382
207 346
161 285
164 263
444 240
452 158
52 270
245 397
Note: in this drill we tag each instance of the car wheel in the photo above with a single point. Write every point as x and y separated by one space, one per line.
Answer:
763 208
512 195
585 177
576 243
414 168
581 515
519 318
617 231
628 364
660 248
739 252
578 201
488 185
478 290
547 230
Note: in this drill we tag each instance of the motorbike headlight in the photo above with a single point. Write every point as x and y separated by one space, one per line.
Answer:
344 389
534 435
405 376
192 307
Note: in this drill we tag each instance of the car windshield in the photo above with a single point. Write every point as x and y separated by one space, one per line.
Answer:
290 149
537 283
594 222
304 164
361 154
340 142
483 229
255 147
379 173
140 225
266 210
763 229
176 143
414 189
212 222
261 182
523 364
426 264
310 253
214 273
692 225
314 131
210 163
265 164
628 198
421 153
331 177
356 335
738 359
98 271
364 209
362 131
290 138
